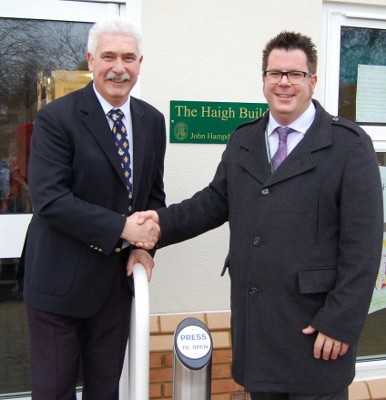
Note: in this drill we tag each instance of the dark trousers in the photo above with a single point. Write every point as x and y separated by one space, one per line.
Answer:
59 342
341 395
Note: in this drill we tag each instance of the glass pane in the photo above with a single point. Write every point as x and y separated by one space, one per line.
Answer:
373 340
362 49
39 61
14 348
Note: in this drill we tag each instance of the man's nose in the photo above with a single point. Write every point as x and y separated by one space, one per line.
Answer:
284 80
119 65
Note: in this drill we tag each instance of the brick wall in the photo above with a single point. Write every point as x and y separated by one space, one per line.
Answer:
223 387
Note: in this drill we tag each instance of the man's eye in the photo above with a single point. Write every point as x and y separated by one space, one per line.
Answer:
296 75
274 74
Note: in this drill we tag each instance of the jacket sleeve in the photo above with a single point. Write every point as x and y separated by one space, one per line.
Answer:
359 247
206 210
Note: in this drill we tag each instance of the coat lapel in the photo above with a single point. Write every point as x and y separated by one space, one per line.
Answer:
253 150
299 161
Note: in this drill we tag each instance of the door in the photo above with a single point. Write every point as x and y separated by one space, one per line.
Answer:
42 57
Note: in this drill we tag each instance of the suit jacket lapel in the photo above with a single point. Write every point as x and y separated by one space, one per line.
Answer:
96 122
139 142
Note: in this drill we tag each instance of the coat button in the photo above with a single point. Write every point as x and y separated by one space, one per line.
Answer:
253 291
117 250
256 241
264 191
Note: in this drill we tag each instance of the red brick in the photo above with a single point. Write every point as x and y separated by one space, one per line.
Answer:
221 371
168 389
156 360
222 356
225 386
169 359
160 375
155 390
223 396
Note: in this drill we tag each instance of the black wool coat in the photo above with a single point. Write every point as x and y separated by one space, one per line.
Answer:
305 246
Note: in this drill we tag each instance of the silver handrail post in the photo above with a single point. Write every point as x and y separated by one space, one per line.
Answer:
134 384
192 368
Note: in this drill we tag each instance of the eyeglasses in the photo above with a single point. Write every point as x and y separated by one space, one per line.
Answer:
294 77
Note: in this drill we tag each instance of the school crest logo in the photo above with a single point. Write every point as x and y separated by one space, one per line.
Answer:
181 131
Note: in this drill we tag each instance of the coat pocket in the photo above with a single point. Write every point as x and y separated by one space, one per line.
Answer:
317 280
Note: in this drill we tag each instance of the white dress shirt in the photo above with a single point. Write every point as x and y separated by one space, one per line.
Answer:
299 126
125 108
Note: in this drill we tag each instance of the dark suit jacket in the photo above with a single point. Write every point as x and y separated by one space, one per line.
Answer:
305 245
80 200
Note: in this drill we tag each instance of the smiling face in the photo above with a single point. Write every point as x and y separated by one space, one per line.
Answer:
287 102
115 66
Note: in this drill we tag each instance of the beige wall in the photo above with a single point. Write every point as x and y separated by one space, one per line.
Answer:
369 2
206 50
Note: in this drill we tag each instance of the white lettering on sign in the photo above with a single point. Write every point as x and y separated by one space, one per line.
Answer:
194 342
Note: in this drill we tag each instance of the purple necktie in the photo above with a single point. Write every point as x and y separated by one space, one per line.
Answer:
281 152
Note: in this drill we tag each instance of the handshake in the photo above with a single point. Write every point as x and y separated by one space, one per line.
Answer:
142 229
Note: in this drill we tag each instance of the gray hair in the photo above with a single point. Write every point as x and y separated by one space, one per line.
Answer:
112 25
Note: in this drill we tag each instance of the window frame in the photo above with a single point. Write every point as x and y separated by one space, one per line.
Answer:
336 15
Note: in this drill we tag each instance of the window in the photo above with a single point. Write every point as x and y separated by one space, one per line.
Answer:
38 62
354 55
362 75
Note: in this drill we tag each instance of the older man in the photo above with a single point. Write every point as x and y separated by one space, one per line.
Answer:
97 156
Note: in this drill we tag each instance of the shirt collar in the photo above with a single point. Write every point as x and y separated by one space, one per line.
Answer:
125 108
301 124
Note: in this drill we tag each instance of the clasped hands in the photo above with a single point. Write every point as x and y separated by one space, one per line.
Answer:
142 229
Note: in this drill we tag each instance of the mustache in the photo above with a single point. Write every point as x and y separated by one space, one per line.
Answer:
124 77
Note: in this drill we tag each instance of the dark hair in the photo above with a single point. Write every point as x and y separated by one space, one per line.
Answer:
292 41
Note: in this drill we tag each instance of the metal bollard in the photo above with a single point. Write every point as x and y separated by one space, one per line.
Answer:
192 368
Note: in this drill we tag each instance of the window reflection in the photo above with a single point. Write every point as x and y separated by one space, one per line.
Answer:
14 347
14 154
358 46
39 61
373 339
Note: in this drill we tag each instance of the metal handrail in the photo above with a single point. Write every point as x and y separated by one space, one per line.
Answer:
134 384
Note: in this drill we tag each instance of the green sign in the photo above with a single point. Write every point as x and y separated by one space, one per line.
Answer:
209 122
